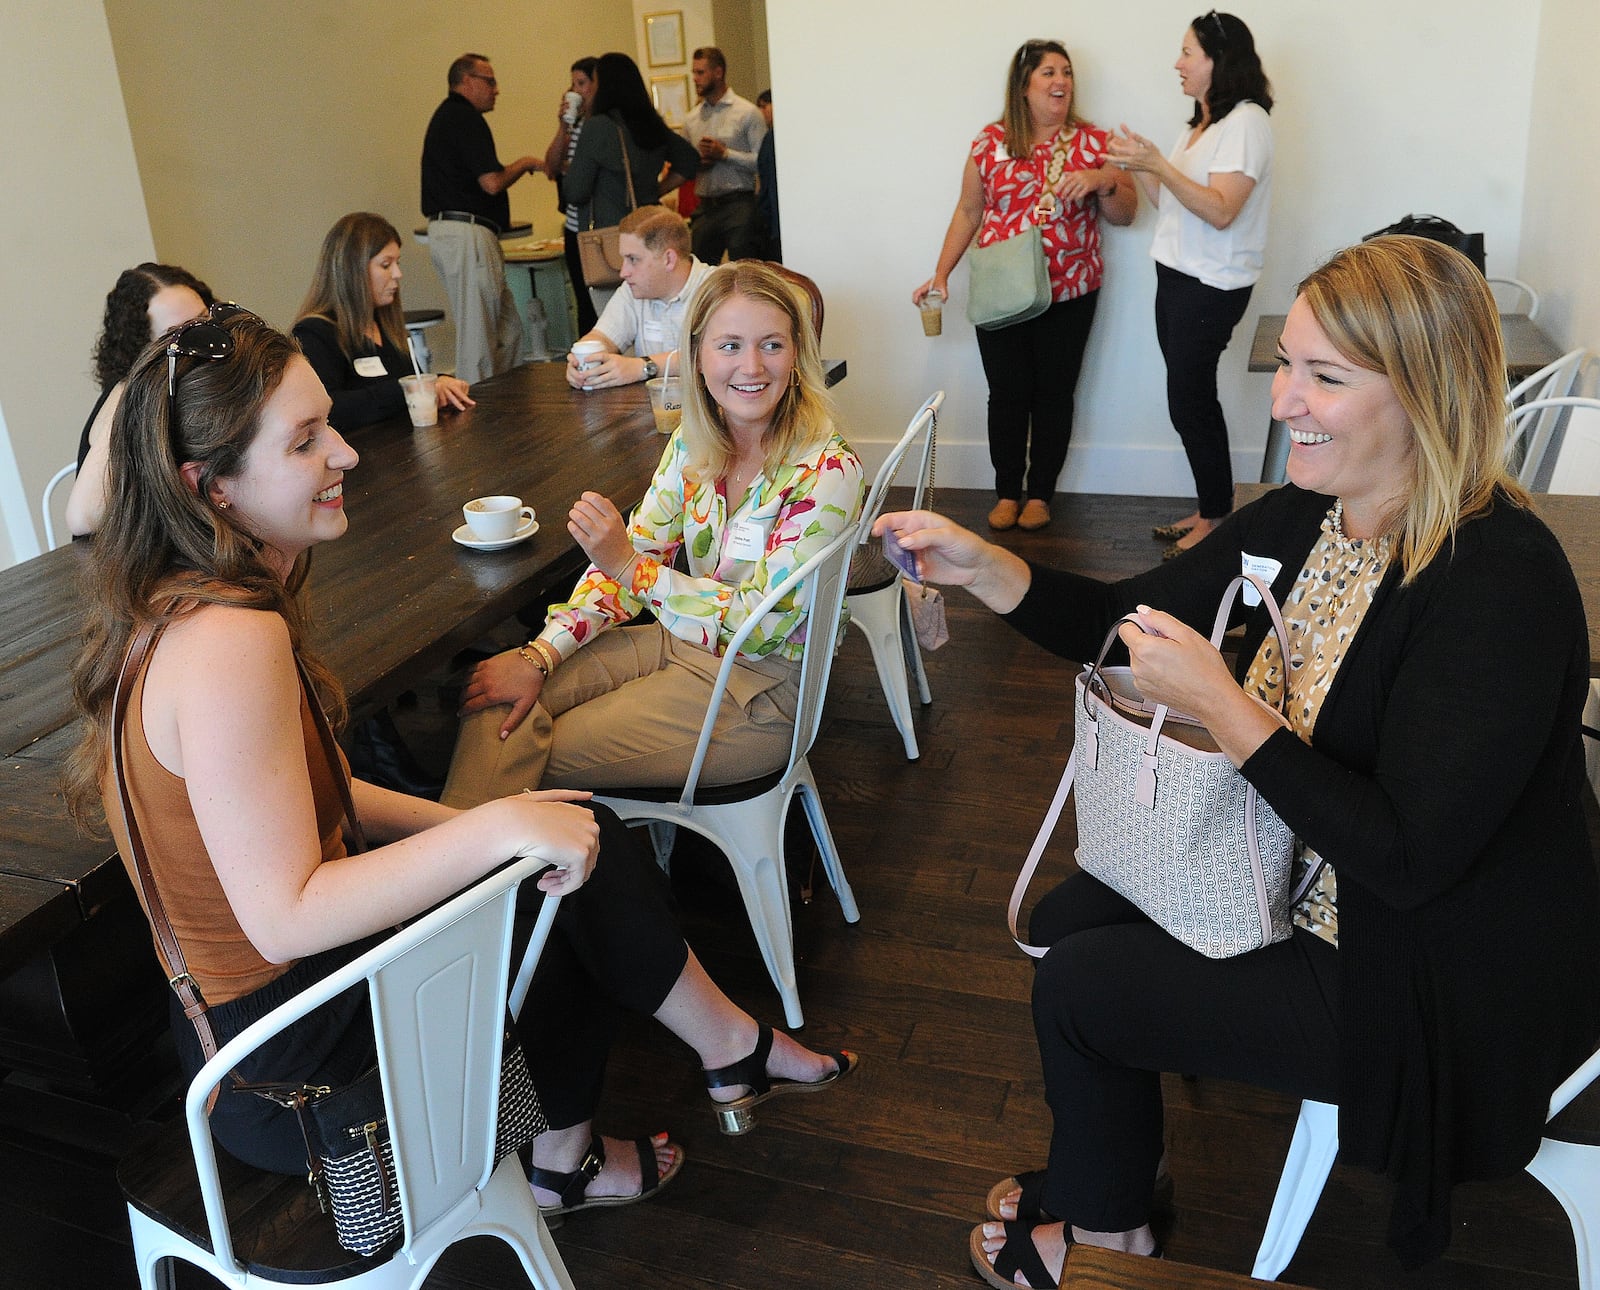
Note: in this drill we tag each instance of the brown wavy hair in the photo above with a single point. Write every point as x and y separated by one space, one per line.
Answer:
166 549
125 329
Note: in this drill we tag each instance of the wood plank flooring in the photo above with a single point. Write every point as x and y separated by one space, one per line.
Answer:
877 1182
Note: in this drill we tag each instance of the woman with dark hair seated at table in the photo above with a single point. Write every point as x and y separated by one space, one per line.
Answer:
1444 972
224 474
146 301
352 329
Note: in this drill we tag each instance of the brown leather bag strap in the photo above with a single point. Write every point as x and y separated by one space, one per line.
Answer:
184 985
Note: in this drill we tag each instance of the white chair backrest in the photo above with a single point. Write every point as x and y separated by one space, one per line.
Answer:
926 420
438 990
1560 441
823 576
1552 381
1514 296
56 480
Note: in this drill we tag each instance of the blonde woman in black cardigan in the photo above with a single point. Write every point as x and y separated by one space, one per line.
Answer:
1444 974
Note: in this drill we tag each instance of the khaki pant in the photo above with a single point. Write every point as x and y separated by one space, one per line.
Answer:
625 711
488 326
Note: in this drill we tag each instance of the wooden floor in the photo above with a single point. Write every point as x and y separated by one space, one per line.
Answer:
877 1183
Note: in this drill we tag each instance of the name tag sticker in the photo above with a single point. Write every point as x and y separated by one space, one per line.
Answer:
370 365
747 540
1264 567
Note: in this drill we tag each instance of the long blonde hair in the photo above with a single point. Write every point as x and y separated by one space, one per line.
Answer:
1421 314
165 548
805 416
1017 119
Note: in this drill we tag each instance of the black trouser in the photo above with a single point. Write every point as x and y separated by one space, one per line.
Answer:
587 318
1117 1001
726 223
1032 368
615 946
1194 323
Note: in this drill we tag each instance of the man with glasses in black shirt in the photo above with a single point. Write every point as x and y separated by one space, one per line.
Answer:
464 196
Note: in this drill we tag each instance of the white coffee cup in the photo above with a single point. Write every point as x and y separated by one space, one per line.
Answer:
496 519
571 102
588 352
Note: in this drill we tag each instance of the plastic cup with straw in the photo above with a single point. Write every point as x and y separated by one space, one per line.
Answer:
421 390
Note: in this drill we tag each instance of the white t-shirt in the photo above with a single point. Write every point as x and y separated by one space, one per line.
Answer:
649 326
1225 258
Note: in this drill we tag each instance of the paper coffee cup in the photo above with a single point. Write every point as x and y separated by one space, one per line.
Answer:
588 352
422 398
497 518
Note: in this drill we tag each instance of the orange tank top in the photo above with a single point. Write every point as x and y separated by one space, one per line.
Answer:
220 957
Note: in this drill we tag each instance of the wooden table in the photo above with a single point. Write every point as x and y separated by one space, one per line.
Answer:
1089 1268
1527 350
389 601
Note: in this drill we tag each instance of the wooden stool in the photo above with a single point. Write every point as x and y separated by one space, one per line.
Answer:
1091 1268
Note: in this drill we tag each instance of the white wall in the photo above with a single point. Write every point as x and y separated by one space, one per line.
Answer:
1383 109
71 218
1561 203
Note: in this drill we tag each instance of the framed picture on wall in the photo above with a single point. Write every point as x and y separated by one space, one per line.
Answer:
663 39
671 95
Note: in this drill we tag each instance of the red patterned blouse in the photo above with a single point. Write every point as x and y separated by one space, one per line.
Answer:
1011 189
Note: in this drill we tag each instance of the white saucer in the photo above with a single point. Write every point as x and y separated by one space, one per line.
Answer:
464 536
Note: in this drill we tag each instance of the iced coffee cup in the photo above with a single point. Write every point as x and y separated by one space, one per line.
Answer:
666 402
932 308
422 398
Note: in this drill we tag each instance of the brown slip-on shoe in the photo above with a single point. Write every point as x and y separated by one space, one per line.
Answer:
1004 515
1035 515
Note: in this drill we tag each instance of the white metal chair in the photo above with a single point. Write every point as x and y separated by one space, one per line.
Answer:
875 595
438 991
1558 443
1553 381
56 480
1570 1170
1514 296
747 820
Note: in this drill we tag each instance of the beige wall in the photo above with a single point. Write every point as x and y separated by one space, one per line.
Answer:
1560 251
71 219
258 125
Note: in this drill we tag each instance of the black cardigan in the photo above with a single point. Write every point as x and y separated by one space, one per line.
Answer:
597 184
357 400
1444 783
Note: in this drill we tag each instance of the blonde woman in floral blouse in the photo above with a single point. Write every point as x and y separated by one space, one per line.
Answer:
754 482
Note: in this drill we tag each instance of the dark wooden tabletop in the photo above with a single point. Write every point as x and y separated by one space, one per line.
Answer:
1527 347
392 598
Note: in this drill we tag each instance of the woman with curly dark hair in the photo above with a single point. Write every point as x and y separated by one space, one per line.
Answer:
622 116
1211 192
146 301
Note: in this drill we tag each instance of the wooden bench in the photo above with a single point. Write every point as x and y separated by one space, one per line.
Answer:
1089 1268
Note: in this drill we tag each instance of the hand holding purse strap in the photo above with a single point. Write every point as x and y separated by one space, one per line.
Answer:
178 977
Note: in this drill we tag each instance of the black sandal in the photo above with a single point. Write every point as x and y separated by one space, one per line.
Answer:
738 1115
1018 1254
570 1185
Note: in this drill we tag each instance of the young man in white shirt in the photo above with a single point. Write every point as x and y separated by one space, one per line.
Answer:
659 273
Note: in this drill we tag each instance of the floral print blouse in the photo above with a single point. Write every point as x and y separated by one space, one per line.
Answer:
807 503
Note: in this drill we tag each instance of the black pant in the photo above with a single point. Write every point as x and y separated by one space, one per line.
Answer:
615 946
587 318
1117 1001
1194 323
726 223
1032 368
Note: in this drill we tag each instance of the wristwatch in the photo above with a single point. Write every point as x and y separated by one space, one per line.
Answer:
651 371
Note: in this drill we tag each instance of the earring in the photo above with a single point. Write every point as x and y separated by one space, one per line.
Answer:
223 504
794 378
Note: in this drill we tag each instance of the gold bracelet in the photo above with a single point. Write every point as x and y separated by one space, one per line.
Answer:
547 652
533 656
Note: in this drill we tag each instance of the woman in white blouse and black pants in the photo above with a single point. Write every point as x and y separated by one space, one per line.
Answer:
1212 193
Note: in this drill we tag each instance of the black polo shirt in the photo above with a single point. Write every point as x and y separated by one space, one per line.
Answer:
458 147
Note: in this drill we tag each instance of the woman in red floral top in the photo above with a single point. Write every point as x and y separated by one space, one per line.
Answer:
1038 162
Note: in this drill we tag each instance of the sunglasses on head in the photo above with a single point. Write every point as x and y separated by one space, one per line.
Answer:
202 337
1215 19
